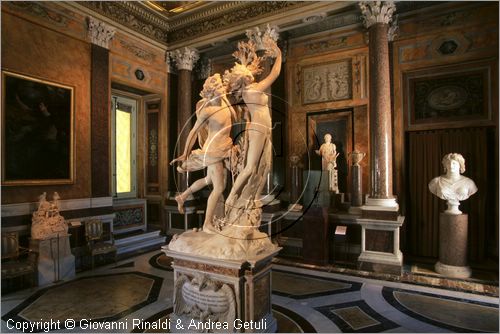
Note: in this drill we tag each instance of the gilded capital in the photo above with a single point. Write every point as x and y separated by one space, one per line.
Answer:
377 12
100 33
185 58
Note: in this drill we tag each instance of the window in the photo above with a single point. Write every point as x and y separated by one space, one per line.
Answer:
124 146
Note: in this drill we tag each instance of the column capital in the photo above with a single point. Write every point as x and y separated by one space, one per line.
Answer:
100 33
376 12
185 58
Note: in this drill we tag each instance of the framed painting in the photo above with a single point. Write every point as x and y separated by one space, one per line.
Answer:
337 123
453 96
37 131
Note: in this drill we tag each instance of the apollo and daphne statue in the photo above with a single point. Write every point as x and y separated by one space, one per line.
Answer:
232 232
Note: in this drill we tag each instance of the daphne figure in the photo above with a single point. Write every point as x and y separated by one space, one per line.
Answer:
241 82
452 186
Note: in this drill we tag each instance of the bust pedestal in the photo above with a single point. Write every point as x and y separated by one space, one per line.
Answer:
55 260
453 246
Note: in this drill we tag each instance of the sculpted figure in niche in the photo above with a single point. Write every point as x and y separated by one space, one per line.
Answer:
328 153
452 186
213 128
240 81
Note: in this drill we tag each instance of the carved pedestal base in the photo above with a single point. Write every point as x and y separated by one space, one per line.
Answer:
55 261
380 245
217 295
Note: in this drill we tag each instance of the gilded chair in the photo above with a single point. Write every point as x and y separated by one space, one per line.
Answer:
14 261
96 246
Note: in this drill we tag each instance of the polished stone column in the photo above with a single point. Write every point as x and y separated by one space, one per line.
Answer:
377 16
100 35
185 59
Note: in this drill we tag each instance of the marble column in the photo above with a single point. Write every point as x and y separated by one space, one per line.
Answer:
100 35
185 59
377 16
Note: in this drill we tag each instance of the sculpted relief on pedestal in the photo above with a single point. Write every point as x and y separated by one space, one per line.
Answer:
328 82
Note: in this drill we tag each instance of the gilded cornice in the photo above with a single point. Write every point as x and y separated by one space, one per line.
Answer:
218 21
132 16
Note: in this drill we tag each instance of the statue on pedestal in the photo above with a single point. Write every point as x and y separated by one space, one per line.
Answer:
453 224
237 228
452 186
328 153
46 222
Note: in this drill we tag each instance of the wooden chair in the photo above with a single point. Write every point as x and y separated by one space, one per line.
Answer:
96 246
12 265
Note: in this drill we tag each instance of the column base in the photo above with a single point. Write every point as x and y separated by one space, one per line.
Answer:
453 271
380 208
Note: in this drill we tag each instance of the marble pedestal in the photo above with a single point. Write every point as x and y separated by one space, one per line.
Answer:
55 260
453 246
380 245
229 294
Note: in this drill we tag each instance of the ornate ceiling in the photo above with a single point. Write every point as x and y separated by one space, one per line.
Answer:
204 23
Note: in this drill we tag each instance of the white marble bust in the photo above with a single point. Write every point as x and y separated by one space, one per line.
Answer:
452 186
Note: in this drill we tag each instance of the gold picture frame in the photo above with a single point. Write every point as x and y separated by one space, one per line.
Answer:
37 131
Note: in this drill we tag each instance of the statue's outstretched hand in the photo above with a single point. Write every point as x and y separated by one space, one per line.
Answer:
179 158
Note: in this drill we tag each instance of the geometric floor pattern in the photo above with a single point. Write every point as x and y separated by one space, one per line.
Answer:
303 301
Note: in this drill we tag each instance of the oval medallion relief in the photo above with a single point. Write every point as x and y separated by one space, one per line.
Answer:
447 97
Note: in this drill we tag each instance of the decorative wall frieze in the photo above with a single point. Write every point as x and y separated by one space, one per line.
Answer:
138 52
132 16
100 33
185 58
331 44
377 12
37 9
327 82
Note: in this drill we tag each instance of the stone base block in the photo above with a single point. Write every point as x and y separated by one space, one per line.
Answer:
355 210
453 271
223 295
55 260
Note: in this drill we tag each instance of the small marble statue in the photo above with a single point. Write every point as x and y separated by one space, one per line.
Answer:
328 152
452 186
47 222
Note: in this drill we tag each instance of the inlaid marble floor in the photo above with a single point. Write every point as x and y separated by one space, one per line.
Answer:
303 301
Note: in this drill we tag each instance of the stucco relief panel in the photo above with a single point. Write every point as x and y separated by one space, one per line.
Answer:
327 82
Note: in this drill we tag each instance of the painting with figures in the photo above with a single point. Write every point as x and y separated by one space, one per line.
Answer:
327 82
37 131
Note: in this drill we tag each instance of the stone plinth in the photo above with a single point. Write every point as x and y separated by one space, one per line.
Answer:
453 246
224 293
380 245
356 186
55 261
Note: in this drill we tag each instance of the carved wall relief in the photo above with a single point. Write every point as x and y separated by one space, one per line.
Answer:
328 82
